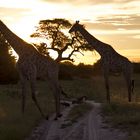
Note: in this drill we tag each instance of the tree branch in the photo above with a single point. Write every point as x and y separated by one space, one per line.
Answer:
54 36
60 58
55 49
67 58
68 44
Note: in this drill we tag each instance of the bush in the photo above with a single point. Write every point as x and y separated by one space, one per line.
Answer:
8 73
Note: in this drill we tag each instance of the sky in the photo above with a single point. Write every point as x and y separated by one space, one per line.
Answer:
116 22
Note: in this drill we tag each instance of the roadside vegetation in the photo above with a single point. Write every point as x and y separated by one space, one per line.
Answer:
124 116
14 125
79 111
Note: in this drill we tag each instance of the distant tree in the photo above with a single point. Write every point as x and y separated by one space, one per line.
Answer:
42 48
66 70
55 31
97 67
8 73
136 66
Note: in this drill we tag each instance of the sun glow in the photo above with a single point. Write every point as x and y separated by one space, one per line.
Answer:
19 4
113 22
24 31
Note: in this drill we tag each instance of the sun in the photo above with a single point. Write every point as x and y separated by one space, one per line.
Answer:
24 28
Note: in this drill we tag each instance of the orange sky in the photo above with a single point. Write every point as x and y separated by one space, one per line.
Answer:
116 22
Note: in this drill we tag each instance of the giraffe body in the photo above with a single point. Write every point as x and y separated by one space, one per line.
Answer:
111 60
31 64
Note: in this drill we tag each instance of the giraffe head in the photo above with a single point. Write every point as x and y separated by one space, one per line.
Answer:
76 27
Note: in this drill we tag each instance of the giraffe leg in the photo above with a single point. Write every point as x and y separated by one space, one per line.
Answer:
57 104
23 96
23 93
33 89
56 91
129 90
57 101
132 86
64 93
129 85
107 86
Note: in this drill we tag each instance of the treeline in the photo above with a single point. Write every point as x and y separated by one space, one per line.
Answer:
8 72
69 71
136 67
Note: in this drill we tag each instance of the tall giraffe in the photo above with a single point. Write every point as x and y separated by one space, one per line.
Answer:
31 64
111 60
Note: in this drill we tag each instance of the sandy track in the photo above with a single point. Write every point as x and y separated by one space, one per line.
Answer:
89 127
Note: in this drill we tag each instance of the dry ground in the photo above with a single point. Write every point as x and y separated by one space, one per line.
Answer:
89 127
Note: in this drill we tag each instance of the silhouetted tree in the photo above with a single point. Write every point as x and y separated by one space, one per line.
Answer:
136 66
8 73
55 31
42 48
97 67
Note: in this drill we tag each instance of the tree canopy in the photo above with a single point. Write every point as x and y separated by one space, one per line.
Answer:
55 31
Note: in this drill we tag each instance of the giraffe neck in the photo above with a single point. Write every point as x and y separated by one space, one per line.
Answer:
18 44
93 42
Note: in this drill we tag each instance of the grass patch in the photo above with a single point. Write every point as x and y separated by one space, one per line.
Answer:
85 87
15 126
79 111
120 113
124 116
94 88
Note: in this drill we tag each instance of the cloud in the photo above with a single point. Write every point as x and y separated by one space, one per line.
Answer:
88 2
10 14
116 29
19 3
115 22
136 36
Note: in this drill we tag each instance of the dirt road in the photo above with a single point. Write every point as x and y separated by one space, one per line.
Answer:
89 127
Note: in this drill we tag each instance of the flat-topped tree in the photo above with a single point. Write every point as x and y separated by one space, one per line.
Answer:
55 30
31 64
111 60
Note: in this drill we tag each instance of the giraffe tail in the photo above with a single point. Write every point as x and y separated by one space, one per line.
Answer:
132 85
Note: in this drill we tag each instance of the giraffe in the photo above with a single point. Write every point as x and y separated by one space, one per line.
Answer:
111 60
30 65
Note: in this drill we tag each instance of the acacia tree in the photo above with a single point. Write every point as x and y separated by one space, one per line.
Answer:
56 31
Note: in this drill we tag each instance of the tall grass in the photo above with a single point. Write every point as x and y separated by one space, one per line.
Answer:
125 116
94 88
13 124
16 126
120 113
